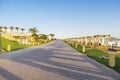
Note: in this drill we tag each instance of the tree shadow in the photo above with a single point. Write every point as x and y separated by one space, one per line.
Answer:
6 75
41 59
58 60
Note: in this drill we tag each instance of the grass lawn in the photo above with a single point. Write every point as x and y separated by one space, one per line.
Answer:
14 44
100 56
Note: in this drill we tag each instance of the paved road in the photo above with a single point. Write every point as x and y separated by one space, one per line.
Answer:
53 61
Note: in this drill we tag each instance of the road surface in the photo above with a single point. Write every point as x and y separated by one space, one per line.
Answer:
53 61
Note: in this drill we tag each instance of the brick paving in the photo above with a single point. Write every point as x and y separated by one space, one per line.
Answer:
53 61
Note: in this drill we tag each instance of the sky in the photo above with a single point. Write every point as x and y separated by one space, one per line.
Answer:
64 18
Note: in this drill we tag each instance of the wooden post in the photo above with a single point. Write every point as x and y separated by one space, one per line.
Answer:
83 49
72 43
111 59
33 44
8 47
75 45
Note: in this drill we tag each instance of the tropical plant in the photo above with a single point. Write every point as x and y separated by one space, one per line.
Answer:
22 29
43 36
0 28
33 30
34 35
17 28
5 28
11 28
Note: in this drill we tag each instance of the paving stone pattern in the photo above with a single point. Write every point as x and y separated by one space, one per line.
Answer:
53 61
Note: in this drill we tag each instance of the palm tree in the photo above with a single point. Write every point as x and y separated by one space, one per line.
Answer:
22 29
34 34
11 28
33 30
0 28
22 38
17 28
5 28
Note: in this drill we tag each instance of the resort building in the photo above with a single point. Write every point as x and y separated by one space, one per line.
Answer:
23 38
96 41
